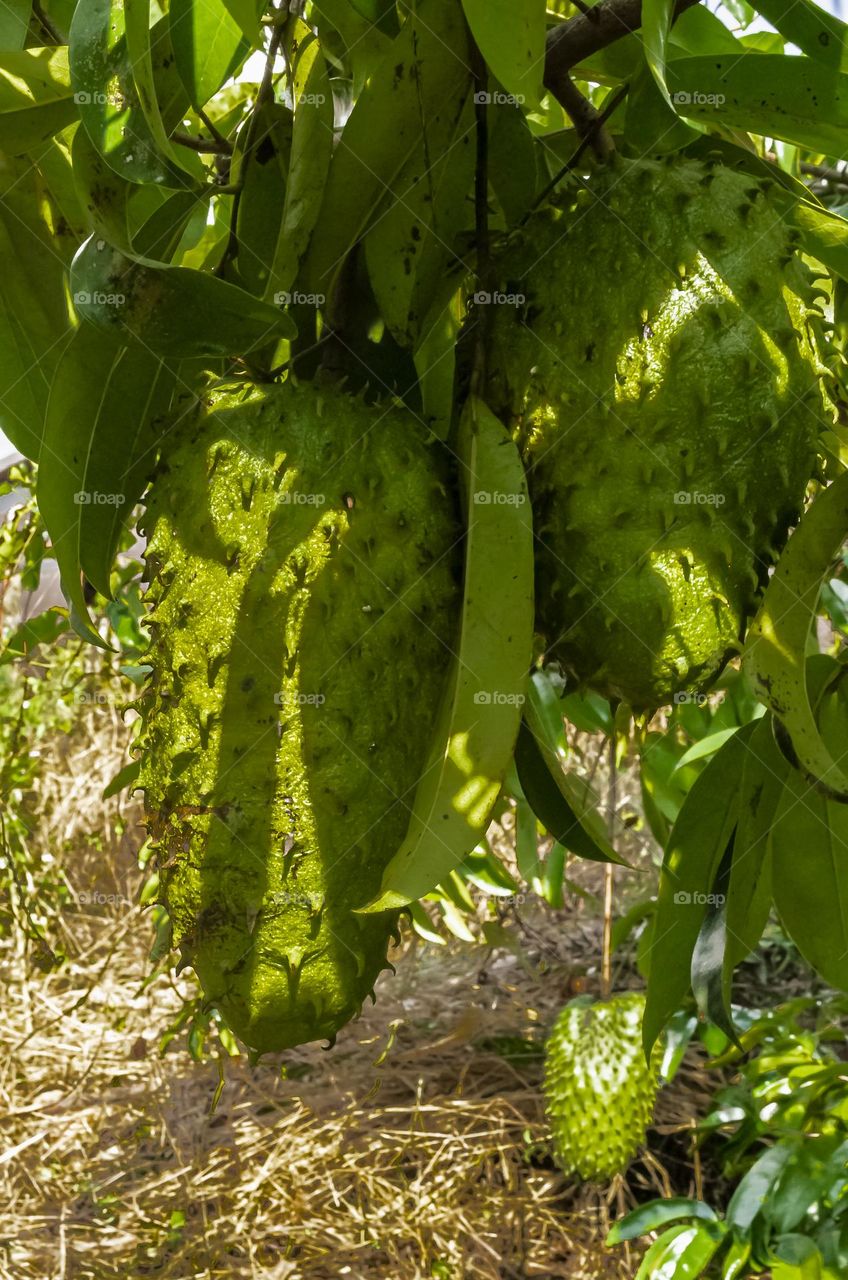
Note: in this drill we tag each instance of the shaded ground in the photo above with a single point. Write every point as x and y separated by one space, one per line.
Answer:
415 1148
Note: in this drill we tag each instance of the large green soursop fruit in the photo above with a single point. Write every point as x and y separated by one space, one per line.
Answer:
303 568
600 1091
664 376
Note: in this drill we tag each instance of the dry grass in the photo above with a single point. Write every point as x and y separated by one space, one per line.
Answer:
408 1151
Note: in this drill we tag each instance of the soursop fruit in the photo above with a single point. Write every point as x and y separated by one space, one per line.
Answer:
304 591
663 372
600 1091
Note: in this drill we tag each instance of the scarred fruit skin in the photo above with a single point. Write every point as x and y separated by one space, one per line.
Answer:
304 596
600 1092
664 376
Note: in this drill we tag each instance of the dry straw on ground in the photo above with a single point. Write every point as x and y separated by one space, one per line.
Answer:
411 1150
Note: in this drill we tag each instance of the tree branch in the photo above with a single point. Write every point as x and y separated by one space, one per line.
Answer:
586 33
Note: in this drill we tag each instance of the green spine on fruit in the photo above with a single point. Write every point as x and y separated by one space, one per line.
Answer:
665 377
599 1090
304 591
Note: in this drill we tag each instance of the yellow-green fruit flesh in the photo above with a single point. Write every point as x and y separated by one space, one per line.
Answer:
600 1092
303 570
664 376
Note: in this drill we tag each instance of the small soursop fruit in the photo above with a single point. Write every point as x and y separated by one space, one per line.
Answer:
600 1091
304 586
664 375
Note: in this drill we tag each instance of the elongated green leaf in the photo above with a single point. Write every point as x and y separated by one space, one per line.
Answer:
513 161
657 17
693 855
116 110
677 1253
764 772
25 639
105 415
103 193
140 45
706 747
383 131
34 318
350 41
815 31
247 14
208 44
775 651
174 311
563 810
656 1214
481 712
435 363
824 235
747 1200
412 243
562 801
14 24
311 150
122 779
511 37
36 100
262 176
709 970
809 848
796 99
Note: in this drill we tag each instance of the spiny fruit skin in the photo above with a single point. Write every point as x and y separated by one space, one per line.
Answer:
600 1091
664 376
304 592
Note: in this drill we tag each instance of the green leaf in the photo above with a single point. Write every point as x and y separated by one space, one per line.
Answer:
14 24
657 17
708 746
809 848
815 31
123 778
656 1214
247 14
412 245
103 193
764 772
824 235
34 316
127 120
104 418
477 726
513 160
748 1198
563 802
208 43
350 41
682 1252
174 311
412 83
527 844
709 970
36 100
793 98
262 175
775 651
311 151
435 364
693 855
25 639
140 42
511 37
